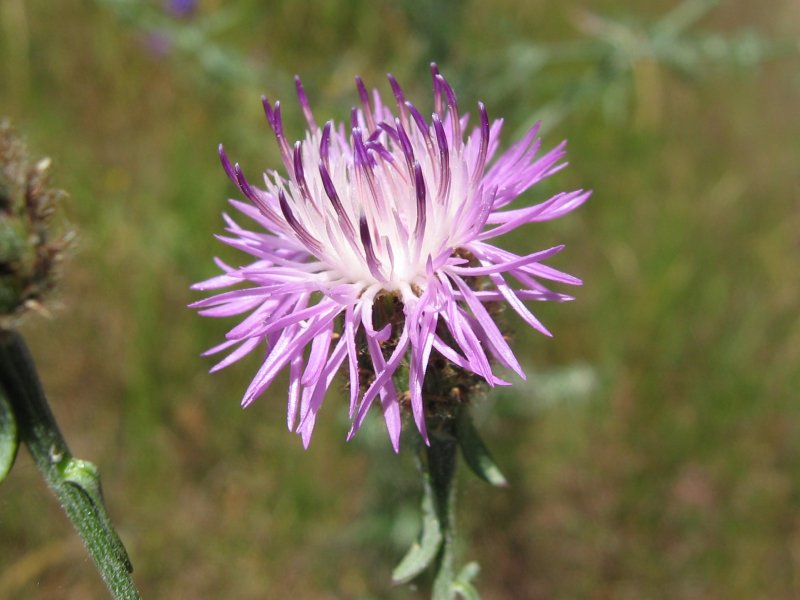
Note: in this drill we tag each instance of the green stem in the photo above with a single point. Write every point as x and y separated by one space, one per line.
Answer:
75 482
441 456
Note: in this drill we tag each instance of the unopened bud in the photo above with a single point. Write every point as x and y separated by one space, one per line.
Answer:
29 250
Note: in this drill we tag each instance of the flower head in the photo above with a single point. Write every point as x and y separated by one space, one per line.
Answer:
30 247
376 250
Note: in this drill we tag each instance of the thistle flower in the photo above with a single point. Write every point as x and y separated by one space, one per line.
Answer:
377 250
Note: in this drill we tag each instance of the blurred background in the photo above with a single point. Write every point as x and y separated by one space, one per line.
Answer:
654 451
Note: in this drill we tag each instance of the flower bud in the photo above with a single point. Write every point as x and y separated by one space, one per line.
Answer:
28 249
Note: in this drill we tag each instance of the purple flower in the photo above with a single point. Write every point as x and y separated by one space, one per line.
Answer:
377 251
180 8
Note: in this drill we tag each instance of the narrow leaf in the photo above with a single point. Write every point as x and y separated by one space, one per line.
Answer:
475 453
466 590
422 553
463 583
468 572
9 439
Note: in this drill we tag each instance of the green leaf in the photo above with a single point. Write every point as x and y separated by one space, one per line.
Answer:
463 582
466 590
475 453
422 553
9 439
468 572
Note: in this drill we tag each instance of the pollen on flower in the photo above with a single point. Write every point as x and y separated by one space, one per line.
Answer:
376 247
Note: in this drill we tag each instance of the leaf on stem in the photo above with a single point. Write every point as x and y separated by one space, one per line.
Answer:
476 454
9 438
462 585
422 553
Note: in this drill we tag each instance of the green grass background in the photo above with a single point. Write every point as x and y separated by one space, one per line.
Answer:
654 451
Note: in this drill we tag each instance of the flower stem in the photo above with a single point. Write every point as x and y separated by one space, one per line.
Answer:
75 482
441 464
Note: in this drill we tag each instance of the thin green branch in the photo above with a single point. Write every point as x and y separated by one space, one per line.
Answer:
75 482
